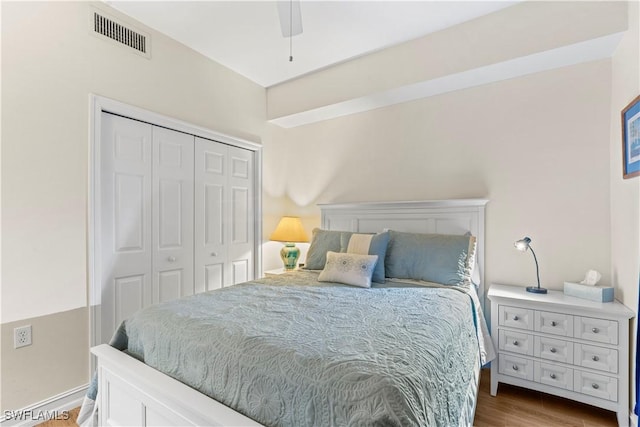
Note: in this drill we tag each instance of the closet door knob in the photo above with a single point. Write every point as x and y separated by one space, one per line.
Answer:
171 259
552 376
595 358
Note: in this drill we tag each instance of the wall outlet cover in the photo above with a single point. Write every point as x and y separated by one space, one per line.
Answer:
22 336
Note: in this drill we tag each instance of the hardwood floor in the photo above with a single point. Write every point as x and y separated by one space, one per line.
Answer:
71 422
512 407
515 407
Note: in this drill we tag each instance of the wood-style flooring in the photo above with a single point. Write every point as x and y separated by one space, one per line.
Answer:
519 407
512 407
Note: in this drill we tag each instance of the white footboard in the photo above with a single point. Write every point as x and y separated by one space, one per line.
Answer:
132 393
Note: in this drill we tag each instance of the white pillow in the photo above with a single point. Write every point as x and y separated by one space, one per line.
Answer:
350 269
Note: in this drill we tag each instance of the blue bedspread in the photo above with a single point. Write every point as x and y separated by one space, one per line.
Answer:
291 351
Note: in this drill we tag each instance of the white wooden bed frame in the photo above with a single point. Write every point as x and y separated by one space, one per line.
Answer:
132 393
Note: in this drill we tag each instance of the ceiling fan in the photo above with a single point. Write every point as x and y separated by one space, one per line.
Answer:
290 21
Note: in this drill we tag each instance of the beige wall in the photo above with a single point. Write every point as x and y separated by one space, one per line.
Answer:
56 361
625 194
50 65
534 146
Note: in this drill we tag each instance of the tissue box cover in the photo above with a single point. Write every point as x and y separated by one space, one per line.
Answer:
592 293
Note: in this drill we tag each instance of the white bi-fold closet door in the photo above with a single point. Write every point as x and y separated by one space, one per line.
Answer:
177 216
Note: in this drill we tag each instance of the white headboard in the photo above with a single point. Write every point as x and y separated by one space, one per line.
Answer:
455 216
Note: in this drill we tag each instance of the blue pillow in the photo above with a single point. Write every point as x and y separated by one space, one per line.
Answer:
377 246
439 258
322 241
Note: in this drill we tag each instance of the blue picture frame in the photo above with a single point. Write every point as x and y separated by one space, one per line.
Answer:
631 139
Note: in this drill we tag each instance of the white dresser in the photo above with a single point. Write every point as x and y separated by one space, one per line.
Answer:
562 345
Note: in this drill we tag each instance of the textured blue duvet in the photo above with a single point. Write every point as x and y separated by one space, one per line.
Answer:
286 353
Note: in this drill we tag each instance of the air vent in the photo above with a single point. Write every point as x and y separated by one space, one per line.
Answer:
108 27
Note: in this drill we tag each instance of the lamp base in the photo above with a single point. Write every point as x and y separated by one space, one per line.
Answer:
289 254
536 290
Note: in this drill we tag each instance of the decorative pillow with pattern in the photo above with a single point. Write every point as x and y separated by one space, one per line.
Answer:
350 269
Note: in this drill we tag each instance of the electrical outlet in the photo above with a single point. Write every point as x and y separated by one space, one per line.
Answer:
22 336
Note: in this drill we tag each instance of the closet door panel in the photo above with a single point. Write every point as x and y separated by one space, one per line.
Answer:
125 222
210 215
241 221
172 214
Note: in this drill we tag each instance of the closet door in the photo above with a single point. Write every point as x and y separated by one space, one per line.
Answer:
172 209
210 207
125 223
224 209
241 214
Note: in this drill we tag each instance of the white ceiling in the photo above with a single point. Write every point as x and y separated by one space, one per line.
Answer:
246 37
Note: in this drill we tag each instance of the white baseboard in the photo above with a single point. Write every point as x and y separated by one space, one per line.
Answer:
44 410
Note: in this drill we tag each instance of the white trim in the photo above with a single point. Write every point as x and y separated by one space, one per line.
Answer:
62 402
589 50
99 104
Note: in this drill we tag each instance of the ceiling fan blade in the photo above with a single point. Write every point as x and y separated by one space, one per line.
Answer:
290 17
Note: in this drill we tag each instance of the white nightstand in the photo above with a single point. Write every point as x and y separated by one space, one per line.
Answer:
562 345
276 271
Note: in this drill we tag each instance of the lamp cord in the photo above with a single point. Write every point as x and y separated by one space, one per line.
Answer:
536 260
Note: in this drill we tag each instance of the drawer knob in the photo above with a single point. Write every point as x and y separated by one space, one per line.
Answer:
552 376
515 342
515 368
516 318
214 254
595 330
553 323
595 386
553 350
171 259
595 358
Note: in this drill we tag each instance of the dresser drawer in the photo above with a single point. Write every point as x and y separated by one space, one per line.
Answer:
515 317
557 376
599 330
595 385
553 349
554 323
515 366
600 358
516 342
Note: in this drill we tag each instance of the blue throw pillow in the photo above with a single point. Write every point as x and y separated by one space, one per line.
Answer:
377 246
439 258
322 241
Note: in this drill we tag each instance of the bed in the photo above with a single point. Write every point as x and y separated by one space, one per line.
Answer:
318 346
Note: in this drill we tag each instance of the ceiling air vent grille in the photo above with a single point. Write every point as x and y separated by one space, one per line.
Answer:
113 30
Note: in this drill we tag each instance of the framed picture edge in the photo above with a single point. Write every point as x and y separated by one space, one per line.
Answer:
626 175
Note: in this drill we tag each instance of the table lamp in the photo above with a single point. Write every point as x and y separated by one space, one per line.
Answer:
289 231
522 245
